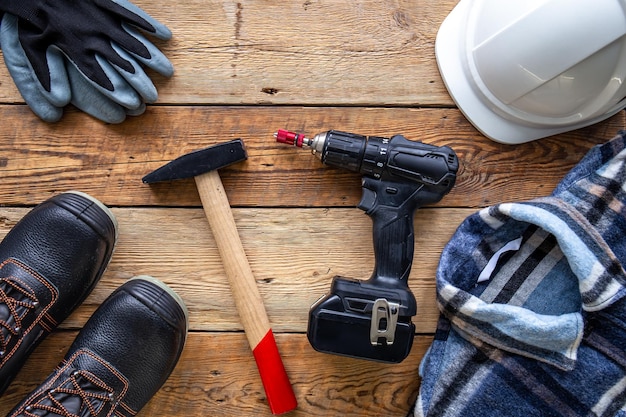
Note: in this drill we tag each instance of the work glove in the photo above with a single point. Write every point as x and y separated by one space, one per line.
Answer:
91 51
67 85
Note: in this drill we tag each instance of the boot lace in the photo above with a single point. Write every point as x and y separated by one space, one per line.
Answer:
82 394
16 301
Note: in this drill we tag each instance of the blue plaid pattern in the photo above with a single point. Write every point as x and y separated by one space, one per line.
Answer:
545 333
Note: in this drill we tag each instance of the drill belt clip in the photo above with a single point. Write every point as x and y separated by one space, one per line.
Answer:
384 322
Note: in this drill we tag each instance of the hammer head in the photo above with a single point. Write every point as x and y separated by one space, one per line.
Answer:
199 162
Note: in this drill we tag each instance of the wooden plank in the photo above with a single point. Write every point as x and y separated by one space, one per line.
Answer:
293 253
245 69
309 52
109 161
216 376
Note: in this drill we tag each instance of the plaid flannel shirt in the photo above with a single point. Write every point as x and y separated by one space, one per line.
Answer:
532 299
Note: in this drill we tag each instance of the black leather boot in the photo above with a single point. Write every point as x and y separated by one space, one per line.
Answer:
49 263
121 357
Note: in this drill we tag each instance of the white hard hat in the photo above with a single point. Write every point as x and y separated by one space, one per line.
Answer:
521 70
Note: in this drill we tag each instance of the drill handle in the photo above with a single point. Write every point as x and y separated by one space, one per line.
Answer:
391 206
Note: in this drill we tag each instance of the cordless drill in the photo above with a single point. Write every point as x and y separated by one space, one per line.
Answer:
371 319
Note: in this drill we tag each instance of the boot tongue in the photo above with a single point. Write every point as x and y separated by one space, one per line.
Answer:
25 298
79 395
5 317
70 406
16 301
7 328
85 386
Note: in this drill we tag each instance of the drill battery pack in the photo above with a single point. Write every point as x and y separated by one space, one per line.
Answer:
364 319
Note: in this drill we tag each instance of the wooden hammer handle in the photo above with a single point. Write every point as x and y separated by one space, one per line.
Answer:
247 297
243 284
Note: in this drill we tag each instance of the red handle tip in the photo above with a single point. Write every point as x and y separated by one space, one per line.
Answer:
280 395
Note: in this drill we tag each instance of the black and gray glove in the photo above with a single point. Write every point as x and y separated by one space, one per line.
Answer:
89 52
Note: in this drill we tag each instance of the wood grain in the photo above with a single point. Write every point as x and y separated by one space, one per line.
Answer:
108 161
293 254
246 295
217 376
302 52
243 70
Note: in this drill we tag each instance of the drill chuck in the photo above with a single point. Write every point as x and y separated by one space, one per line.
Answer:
316 144
339 149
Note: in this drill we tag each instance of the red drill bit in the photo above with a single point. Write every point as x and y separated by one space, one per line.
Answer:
290 138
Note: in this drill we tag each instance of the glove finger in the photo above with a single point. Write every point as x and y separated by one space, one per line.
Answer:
89 98
121 92
157 61
145 21
60 92
48 106
51 77
138 79
138 111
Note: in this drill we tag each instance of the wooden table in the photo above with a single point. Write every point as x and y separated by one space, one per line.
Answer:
245 69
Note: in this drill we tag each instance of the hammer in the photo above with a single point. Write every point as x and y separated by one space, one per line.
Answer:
202 165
